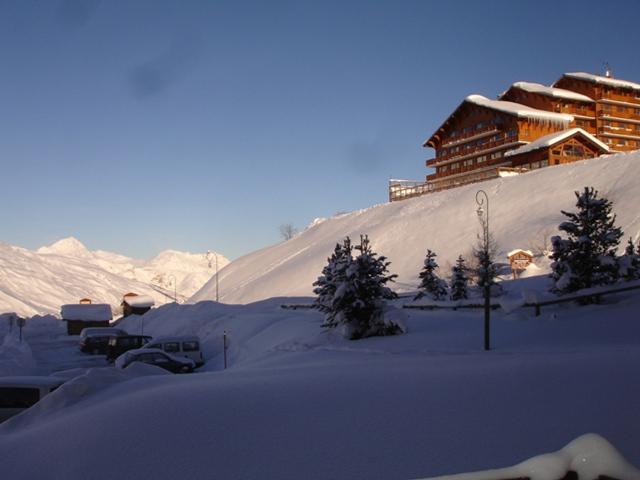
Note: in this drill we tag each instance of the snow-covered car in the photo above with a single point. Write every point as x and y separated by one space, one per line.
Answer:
157 357
188 347
21 392
95 339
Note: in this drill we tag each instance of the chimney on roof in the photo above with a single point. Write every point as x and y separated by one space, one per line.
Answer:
607 70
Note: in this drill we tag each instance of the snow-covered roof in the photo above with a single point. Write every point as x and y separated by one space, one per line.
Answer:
97 312
518 250
139 301
612 82
520 111
551 91
553 138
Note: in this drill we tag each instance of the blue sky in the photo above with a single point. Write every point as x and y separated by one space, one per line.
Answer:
146 125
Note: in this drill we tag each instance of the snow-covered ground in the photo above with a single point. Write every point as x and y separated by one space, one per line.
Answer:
301 402
39 282
524 212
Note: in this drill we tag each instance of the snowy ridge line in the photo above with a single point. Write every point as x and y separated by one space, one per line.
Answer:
588 457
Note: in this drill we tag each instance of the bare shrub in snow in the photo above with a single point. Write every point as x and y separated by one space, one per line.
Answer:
287 231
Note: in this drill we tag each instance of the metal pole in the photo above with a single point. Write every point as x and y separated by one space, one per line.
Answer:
484 218
224 342
217 292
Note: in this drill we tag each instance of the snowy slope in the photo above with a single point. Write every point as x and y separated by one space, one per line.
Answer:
39 282
523 211
300 403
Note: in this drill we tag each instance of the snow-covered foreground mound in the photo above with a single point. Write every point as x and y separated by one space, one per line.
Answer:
299 402
524 210
40 282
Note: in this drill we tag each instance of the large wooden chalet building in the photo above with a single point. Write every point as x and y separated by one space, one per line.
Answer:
530 126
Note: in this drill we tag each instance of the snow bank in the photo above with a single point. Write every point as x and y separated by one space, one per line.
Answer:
81 386
16 357
590 456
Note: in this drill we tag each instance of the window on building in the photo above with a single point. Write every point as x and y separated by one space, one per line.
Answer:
481 159
512 133
544 163
535 165
556 161
620 108
495 155
455 166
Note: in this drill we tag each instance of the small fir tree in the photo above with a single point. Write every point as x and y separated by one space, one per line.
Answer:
630 262
587 257
358 293
459 280
430 283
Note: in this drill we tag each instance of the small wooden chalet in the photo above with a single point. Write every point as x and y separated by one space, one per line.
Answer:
557 148
519 261
79 316
134 304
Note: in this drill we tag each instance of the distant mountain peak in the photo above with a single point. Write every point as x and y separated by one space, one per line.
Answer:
70 246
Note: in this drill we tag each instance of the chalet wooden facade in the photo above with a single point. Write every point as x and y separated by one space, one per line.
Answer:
519 261
617 107
473 141
530 126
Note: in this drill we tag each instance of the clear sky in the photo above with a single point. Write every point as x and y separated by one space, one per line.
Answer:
138 126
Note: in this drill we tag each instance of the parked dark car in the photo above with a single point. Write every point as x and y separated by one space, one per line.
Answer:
120 344
95 339
157 357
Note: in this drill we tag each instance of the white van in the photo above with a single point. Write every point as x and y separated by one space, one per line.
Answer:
180 346
19 393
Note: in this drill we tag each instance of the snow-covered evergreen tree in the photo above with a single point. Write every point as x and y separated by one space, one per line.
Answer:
332 274
486 271
587 257
358 290
630 262
459 280
430 283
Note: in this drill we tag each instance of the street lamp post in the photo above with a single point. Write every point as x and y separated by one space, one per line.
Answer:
209 253
483 216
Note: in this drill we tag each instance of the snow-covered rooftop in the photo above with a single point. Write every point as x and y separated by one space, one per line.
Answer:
97 312
551 91
552 139
612 82
521 111
517 250
139 301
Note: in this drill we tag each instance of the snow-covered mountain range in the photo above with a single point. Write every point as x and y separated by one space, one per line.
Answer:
37 282
524 211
